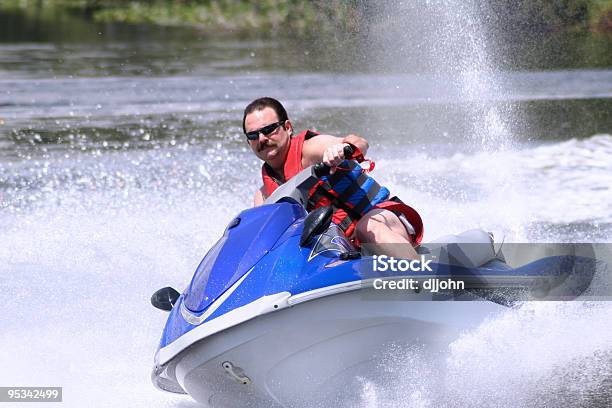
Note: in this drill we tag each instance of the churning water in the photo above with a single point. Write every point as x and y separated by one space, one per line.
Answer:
117 173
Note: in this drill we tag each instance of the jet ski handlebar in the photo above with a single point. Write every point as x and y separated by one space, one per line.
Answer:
321 169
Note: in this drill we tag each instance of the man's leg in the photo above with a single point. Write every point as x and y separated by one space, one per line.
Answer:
384 231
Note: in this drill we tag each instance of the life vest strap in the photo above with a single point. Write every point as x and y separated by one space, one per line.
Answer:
352 188
366 202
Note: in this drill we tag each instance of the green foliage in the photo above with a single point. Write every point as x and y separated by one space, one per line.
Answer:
213 15
235 15
601 16
540 15
305 16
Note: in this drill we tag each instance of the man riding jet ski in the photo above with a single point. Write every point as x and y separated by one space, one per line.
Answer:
363 208
285 311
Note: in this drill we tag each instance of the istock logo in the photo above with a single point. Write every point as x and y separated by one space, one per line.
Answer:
383 263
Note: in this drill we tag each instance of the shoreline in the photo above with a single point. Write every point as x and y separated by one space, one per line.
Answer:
301 16
220 16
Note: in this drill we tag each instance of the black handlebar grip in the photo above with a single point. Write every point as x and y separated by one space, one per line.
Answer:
321 169
348 151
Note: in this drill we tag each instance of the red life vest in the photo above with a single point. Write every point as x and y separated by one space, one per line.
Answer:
293 165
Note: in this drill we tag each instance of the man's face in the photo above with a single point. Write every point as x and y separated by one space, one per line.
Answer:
271 147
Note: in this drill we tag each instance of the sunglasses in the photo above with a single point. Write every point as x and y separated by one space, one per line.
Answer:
266 130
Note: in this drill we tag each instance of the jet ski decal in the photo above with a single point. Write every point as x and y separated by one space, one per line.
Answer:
332 240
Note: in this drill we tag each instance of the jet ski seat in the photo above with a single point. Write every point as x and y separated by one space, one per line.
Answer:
472 248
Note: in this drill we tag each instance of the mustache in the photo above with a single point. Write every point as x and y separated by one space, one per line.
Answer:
263 145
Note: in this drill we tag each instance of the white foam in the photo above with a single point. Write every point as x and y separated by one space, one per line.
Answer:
544 353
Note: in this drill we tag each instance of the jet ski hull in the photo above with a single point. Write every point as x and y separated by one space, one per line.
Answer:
310 351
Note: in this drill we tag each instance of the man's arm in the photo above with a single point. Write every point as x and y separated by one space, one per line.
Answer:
358 142
314 148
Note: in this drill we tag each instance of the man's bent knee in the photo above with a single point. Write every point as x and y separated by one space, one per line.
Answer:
385 234
378 223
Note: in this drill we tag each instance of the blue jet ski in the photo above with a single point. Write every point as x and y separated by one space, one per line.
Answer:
283 311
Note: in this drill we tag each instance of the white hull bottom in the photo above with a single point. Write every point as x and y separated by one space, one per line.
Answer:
313 353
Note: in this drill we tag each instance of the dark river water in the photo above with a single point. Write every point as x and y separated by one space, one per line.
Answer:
122 159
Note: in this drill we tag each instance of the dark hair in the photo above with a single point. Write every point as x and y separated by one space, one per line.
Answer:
262 103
